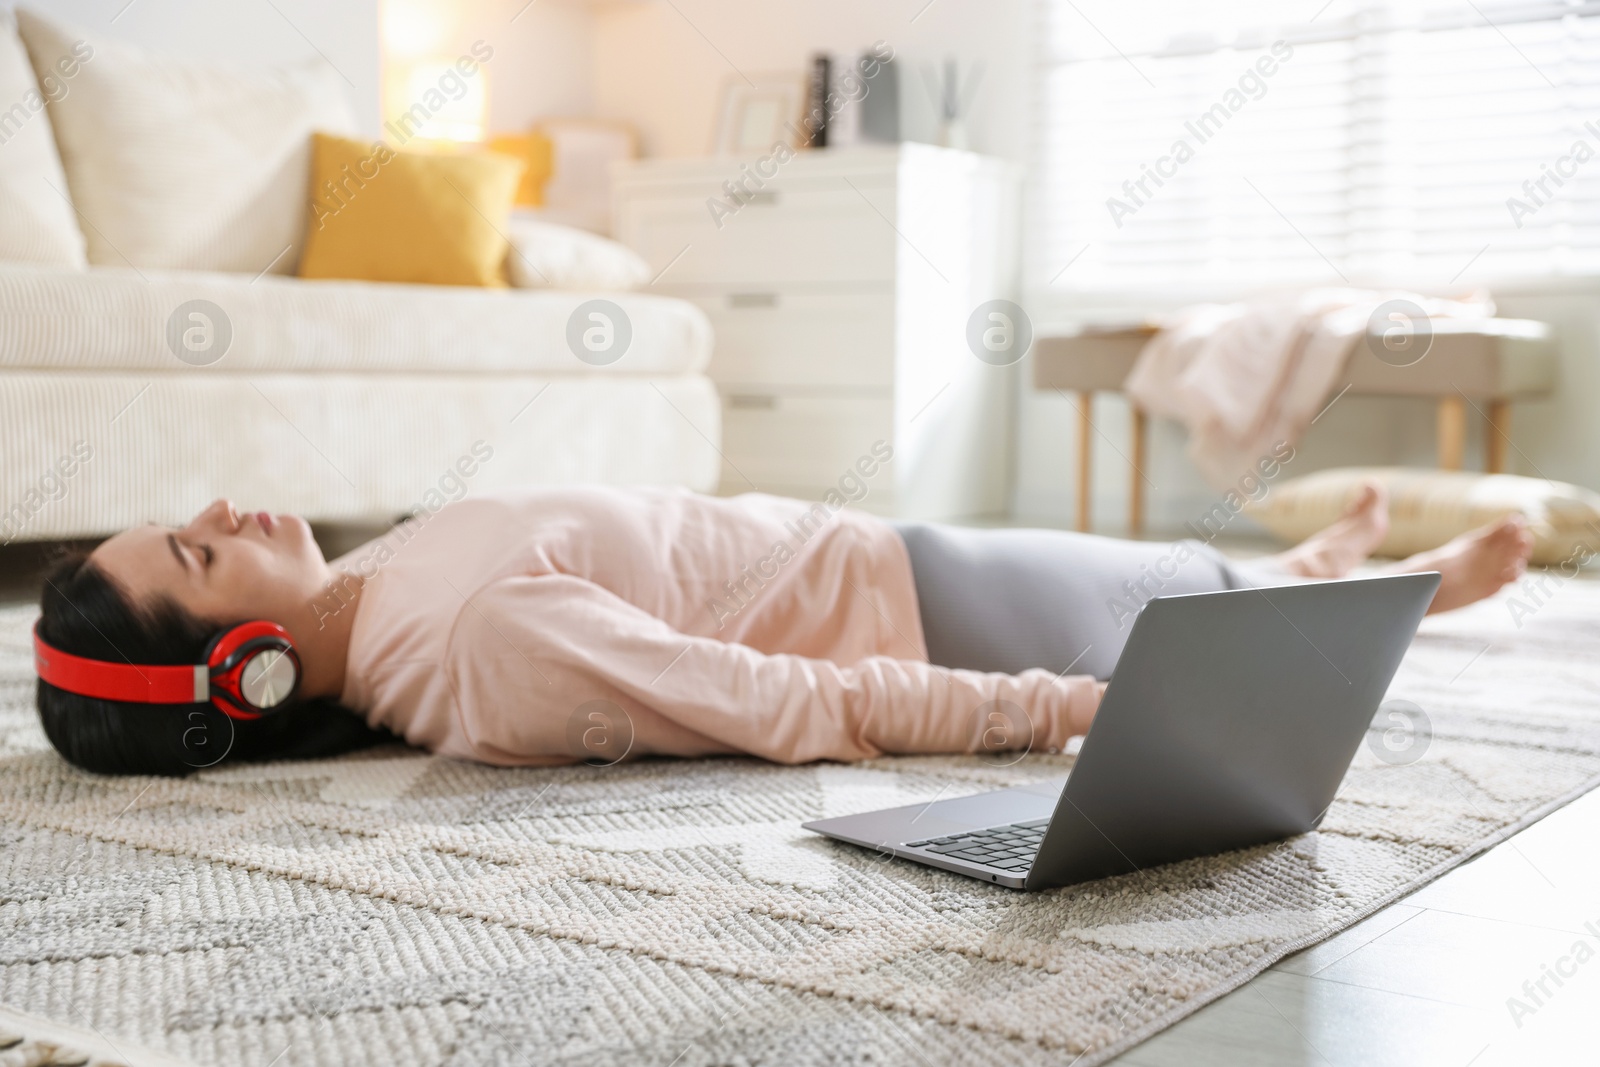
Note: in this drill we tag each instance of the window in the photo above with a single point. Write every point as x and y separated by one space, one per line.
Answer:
1394 143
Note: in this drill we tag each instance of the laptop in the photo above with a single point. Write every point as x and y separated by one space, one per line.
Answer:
1229 721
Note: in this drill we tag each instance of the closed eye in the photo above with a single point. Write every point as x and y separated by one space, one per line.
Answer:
205 550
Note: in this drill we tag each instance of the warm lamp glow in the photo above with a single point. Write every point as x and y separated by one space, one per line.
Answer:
439 104
432 94
413 29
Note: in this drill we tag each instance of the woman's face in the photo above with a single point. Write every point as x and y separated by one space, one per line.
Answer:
222 567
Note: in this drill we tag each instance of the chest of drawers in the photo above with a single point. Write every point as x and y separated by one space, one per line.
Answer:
840 284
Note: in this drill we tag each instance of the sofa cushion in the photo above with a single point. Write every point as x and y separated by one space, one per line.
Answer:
108 319
1429 507
37 224
388 215
179 165
329 447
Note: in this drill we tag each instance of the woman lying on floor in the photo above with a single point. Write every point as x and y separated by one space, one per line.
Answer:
751 625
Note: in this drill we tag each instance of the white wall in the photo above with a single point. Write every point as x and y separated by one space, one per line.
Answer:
543 63
547 67
1560 438
245 33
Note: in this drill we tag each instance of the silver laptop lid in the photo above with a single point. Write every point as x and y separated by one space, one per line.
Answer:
1230 720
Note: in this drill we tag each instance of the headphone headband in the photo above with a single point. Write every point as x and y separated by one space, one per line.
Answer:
250 670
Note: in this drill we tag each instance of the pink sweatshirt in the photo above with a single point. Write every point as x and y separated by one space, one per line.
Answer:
543 626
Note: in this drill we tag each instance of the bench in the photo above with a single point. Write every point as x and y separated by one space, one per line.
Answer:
1482 364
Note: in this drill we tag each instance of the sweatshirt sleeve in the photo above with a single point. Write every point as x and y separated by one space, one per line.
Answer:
528 653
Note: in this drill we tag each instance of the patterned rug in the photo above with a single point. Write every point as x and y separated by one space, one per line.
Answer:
392 907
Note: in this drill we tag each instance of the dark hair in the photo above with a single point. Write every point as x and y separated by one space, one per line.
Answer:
85 613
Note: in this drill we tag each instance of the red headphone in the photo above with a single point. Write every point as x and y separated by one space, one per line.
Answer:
250 670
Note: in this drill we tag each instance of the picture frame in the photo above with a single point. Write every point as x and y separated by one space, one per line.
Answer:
755 114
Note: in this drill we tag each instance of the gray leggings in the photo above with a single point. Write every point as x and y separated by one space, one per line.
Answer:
1006 600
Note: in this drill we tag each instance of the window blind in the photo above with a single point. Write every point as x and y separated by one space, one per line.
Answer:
1369 144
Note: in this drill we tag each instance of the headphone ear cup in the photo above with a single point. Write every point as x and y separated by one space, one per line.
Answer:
254 670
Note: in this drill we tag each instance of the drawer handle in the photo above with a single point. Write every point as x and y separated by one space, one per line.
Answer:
762 198
752 300
753 401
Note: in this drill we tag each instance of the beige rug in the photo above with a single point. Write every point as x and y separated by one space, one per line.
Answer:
394 908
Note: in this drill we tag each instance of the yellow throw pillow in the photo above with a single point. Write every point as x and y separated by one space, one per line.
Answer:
383 215
536 151
1428 508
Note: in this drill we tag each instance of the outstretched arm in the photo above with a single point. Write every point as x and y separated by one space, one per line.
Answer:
529 651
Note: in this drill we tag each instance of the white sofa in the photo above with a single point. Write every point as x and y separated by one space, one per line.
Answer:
340 401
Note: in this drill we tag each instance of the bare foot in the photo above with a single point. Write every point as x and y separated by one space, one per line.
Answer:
1337 550
1476 564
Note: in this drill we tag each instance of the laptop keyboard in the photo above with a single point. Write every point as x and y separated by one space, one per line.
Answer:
1008 848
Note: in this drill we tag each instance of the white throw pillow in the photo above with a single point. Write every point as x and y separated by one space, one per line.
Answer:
1428 508
36 220
184 166
547 256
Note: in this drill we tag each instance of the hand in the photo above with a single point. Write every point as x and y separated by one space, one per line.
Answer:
1086 704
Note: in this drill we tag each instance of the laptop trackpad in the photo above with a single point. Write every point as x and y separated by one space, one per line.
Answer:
1023 804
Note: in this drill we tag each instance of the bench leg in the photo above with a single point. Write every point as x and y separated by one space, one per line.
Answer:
1498 436
1450 422
1085 456
1140 425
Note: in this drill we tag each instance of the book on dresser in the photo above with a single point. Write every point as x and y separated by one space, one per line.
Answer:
841 285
